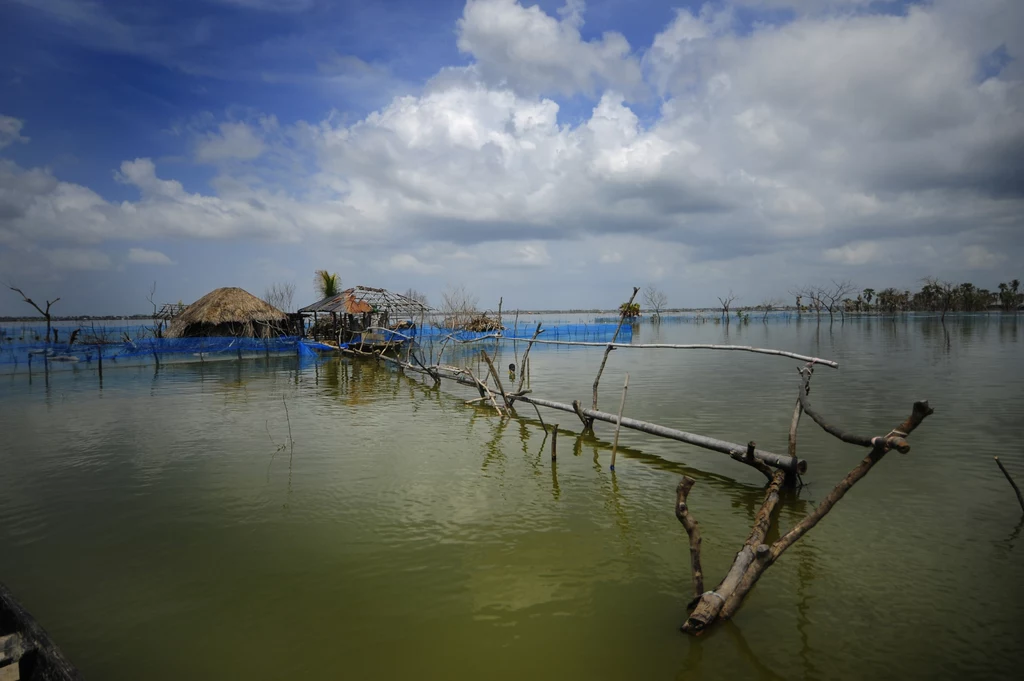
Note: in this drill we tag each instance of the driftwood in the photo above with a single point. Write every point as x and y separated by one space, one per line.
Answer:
693 531
682 346
755 556
1016 489
497 381
732 449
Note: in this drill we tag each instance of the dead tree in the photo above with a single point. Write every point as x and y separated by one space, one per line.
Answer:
755 556
655 300
832 297
726 303
45 313
769 304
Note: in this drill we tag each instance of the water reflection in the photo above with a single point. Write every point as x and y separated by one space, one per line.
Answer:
166 499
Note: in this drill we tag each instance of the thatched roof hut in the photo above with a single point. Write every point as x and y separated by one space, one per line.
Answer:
229 311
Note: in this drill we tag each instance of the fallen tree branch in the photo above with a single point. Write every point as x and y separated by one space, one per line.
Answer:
1016 489
755 557
497 381
714 444
688 346
693 532
894 440
711 603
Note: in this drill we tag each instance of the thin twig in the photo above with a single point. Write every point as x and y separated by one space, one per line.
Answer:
1016 489
291 442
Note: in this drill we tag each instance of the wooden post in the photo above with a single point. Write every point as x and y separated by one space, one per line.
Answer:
611 346
554 442
618 423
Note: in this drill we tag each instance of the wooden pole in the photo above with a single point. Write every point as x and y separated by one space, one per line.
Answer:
524 372
618 421
554 442
675 346
1016 489
611 346
716 445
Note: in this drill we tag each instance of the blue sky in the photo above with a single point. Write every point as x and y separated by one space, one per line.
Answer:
574 148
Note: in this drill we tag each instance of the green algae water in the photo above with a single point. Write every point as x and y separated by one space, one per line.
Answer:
161 527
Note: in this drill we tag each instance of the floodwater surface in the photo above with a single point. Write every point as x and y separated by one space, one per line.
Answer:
161 526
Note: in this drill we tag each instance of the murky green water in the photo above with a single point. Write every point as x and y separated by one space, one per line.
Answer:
158 533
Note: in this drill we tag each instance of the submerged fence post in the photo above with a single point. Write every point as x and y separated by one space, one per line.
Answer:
618 422
554 442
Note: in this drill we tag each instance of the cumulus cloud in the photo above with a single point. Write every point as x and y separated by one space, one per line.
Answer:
532 52
835 138
142 256
232 140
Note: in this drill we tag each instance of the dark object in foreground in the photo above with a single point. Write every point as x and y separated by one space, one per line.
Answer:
26 651
756 556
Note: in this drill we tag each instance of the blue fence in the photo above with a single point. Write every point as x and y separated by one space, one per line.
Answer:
23 348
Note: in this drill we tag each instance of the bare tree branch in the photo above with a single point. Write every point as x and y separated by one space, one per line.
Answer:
655 300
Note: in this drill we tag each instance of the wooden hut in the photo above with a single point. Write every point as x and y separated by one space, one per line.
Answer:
229 311
360 312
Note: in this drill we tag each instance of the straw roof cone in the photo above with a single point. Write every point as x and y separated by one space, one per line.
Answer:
232 309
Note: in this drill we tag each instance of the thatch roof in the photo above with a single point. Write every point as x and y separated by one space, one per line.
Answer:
228 306
360 299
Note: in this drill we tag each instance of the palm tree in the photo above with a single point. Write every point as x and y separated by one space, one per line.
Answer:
327 284
629 310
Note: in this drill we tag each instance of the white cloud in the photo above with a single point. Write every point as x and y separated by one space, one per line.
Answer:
142 256
233 140
532 52
10 131
824 141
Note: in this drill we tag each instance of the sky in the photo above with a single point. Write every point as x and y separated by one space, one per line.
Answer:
553 154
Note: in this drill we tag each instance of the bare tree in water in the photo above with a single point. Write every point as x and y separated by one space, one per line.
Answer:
655 300
45 313
726 303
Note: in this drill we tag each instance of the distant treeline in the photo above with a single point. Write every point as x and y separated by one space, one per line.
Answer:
934 296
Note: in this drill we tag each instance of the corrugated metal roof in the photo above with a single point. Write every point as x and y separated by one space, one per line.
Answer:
361 299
